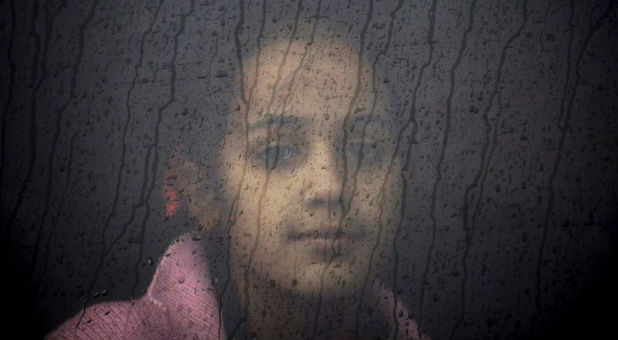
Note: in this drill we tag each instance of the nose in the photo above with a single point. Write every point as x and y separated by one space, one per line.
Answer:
322 183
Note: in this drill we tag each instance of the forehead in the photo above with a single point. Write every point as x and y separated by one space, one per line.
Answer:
312 82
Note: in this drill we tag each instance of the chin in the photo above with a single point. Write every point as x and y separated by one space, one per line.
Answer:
336 282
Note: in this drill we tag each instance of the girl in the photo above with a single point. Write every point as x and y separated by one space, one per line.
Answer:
311 178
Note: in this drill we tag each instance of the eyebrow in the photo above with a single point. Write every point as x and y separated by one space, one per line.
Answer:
373 119
274 121
287 119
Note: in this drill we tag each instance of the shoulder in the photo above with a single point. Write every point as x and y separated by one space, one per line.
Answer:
399 316
180 302
142 319
104 320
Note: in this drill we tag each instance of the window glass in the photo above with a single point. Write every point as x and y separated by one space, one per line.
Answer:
308 169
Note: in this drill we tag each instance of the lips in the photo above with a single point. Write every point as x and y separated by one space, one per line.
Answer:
323 240
329 233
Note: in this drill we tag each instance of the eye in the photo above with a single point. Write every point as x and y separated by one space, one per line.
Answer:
365 151
276 155
285 153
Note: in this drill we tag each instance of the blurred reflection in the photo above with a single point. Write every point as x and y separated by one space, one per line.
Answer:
311 175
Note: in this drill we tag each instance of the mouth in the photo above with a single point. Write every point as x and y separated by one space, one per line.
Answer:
325 240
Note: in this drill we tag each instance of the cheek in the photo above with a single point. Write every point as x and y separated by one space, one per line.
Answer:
266 214
377 203
376 192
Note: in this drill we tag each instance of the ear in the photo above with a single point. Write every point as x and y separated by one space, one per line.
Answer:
185 186
170 189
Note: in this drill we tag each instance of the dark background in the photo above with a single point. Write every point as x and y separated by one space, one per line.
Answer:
510 228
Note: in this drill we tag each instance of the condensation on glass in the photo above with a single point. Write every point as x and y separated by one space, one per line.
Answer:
308 169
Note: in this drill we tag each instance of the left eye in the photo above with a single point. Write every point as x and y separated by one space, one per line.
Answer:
364 150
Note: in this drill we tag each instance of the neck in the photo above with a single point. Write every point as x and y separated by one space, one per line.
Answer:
273 312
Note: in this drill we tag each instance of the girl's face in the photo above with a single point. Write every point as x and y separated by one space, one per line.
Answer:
316 199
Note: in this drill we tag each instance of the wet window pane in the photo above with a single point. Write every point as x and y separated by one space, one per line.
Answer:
308 169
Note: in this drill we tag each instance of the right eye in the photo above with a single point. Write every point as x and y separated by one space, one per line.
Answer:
275 155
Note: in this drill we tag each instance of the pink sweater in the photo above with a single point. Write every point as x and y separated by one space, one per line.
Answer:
181 303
